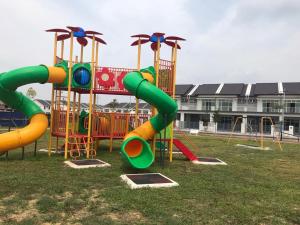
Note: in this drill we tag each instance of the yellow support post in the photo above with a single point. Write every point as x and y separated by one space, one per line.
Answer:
91 99
174 61
62 49
59 91
95 100
52 99
73 114
136 99
156 64
96 66
97 54
81 54
69 95
79 108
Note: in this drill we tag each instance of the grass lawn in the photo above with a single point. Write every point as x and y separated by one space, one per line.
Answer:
256 187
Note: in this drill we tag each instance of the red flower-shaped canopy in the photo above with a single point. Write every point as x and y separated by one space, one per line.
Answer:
79 33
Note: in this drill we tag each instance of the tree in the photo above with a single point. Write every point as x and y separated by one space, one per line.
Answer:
216 118
31 93
113 104
278 106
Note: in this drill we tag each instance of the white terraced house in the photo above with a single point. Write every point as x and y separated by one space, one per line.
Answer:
216 107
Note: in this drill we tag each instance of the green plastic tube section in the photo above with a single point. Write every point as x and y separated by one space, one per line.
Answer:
141 88
166 107
11 80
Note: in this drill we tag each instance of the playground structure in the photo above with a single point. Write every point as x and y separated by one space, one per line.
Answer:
81 130
75 76
261 146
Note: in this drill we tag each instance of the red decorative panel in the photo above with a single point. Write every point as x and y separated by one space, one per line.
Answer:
109 80
105 78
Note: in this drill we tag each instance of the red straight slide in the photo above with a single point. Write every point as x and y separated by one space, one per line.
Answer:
184 150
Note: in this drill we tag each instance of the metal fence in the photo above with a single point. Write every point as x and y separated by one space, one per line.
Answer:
188 125
12 119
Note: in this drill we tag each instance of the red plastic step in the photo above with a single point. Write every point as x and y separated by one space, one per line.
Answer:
185 150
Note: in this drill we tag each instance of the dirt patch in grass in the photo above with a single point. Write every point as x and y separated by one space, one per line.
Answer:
80 214
84 200
51 223
94 195
1 213
64 196
126 217
8 198
96 198
27 213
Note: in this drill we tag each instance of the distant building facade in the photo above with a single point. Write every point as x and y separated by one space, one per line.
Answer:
222 105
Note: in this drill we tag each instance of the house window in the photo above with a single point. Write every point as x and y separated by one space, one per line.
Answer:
225 105
184 99
292 106
188 100
192 100
271 106
247 100
242 101
208 104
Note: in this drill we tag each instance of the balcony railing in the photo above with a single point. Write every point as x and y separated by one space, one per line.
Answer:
188 106
246 108
292 110
271 110
225 109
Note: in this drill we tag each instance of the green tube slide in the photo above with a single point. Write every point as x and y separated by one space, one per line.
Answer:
142 89
11 80
136 84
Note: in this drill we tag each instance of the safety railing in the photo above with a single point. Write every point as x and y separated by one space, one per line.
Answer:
113 124
166 71
109 80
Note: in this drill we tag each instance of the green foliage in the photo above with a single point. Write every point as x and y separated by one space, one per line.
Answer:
46 204
31 93
113 104
216 116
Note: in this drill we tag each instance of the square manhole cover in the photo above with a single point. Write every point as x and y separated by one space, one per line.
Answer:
209 161
151 180
86 163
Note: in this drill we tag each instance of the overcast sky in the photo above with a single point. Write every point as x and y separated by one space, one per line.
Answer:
246 41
